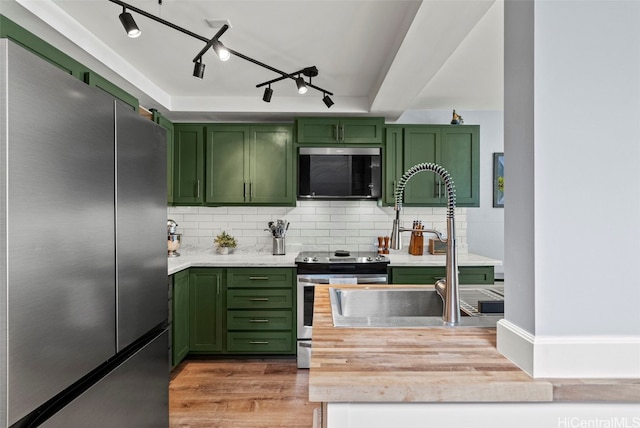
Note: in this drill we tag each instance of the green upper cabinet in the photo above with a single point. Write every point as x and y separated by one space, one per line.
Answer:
456 148
311 130
249 165
11 30
97 81
168 126
188 164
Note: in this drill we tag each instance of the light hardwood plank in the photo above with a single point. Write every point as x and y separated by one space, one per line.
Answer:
234 393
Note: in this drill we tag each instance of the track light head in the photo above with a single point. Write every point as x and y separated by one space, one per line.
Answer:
268 92
327 101
129 24
302 87
198 69
221 50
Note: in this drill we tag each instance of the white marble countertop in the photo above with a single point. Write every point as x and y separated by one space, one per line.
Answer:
200 257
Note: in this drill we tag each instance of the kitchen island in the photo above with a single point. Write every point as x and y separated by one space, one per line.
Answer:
446 377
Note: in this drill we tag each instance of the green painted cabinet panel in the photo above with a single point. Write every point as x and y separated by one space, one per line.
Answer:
260 277
12 31
460 155
272 165
188 164
249 165
168 126
392 163
421 144
266 298
180 315
259 320
260 310
97 81
260 342
227 164
429 275
456 148
314 130
205 309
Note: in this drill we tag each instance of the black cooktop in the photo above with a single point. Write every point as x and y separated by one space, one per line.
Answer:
340 257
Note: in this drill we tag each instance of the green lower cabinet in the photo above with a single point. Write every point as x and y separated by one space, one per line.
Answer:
180 321
260 342
429 275
233 311
259 299
260 308
205 310
259 320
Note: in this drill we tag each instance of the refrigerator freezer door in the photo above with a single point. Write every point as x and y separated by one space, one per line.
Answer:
60 221
141 217
135 394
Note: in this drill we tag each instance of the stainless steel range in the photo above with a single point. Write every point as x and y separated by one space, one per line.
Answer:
339 267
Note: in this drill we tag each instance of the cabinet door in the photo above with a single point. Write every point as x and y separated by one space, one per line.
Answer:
205 310
270 277
429 275
168 126
227 174
271 178
392 164
180 323
317 130
460 155
421 144
361 131
338 131
188 164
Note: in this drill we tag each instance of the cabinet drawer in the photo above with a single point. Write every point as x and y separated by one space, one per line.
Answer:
259 342
429 275
259 277
259 299
259 320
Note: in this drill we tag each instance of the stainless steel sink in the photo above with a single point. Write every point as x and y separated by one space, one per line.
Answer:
398 307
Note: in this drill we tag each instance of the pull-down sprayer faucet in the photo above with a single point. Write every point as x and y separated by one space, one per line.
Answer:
447 288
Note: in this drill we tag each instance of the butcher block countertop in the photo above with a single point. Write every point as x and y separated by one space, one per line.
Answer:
436 364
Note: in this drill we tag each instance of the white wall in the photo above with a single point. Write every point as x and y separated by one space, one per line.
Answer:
572 229
485 224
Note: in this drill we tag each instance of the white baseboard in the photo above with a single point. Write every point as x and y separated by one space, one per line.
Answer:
570 356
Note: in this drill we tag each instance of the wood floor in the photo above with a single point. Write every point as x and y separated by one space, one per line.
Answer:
256 393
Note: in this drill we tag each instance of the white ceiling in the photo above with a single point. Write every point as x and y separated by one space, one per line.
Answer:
378 57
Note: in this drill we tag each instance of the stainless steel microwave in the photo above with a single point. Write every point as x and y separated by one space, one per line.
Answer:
339 173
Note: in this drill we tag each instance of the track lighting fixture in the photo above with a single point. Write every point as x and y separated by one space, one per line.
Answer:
327 101
220 50
223 53
129 24
267 94
302 87
198 69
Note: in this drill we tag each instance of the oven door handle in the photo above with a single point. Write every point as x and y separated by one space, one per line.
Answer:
375 280
368 280
309 280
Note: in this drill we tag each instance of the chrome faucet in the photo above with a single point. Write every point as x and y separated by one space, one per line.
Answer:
447 288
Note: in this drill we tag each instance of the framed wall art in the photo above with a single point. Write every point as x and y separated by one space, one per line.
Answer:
498 180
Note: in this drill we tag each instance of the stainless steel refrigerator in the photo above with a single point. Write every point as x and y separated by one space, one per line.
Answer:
83 266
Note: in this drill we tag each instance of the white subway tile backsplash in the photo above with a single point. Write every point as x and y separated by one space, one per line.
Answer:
314 225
